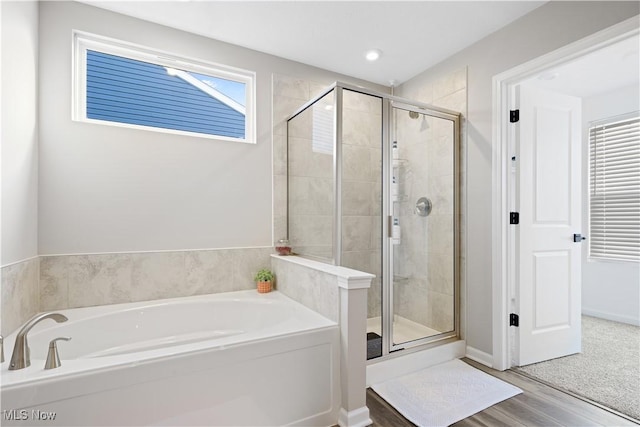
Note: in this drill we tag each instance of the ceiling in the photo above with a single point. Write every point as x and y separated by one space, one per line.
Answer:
334 35
613 67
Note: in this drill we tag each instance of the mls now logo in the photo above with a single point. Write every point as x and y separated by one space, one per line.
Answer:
23 414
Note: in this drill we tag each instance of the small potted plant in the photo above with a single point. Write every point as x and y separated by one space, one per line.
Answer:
264 280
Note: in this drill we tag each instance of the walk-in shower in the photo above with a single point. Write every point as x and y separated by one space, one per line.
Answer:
373 185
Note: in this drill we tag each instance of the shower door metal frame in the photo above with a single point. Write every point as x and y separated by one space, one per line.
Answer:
388 290
388 103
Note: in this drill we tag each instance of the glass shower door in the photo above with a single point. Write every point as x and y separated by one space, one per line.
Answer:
423 226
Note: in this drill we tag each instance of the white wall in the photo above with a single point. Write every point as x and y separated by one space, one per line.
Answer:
19 147
547 28
19 165
610 289
109 189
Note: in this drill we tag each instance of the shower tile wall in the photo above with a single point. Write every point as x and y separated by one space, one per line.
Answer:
19 294
289 94
311 181
424 283
361 189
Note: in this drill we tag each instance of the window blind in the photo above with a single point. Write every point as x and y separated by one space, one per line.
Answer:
614 202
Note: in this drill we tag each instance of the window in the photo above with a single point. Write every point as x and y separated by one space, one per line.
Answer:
323 131
614 189
117 83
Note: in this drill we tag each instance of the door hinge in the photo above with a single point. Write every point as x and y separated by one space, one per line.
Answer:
514 116
514 218
514 320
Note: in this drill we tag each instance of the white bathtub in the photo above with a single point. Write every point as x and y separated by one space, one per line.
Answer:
239 358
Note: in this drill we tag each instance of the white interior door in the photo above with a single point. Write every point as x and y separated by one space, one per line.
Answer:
549 204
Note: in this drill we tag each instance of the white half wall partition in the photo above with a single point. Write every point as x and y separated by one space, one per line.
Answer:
340 294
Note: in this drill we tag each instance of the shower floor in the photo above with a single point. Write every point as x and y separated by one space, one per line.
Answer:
404 330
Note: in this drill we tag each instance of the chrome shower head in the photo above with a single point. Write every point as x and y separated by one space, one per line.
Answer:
424 125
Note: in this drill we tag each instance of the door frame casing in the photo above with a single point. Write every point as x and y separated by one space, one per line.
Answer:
504 263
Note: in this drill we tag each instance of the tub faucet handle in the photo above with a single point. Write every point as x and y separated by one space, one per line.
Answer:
1 349
53 359
21 356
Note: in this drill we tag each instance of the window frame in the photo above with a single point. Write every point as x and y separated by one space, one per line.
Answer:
83 41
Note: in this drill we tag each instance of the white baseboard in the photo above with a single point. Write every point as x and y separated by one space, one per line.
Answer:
404 364
356 418
480 356
611 316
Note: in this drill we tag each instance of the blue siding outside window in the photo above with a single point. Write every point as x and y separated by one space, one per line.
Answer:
128 91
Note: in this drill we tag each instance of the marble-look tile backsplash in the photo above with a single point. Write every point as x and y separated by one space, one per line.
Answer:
20 298
70 281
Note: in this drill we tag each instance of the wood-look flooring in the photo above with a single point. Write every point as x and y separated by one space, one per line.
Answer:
538 405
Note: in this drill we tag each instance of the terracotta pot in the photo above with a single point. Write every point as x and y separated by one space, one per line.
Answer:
264 287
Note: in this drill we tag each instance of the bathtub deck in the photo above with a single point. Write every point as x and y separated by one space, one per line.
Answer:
539 405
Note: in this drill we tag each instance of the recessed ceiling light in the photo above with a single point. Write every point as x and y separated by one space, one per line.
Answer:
373 54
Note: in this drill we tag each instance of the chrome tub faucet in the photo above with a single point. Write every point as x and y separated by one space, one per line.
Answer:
21 357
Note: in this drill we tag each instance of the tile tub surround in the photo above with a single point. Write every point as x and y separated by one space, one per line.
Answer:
70 281
20 298
312 288
339 292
